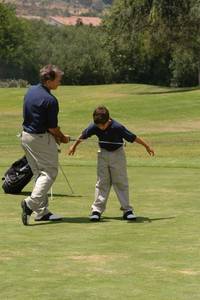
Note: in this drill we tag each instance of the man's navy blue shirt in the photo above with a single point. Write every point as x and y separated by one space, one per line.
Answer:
40 110
115 133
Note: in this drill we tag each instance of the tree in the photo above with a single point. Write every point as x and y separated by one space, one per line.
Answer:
25 46
78 50
130 42
185 63
145 38
15 44
181 23
82 56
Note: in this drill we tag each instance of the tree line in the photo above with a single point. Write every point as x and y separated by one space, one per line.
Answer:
142 41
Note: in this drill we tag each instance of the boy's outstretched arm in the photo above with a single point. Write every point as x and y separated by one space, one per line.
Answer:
72 148
143 143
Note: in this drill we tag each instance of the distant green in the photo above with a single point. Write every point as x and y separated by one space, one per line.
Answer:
156 257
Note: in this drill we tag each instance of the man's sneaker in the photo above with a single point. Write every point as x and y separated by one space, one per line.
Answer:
95 216
49 217
26 212
129 215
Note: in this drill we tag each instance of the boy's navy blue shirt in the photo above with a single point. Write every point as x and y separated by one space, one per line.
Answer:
40 110
115 133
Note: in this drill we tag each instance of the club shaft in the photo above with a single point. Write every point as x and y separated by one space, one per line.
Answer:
101 142
69 185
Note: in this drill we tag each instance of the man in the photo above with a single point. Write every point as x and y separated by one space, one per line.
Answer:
39 138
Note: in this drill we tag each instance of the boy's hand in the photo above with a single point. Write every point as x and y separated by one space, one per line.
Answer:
72 150
150 151
142 142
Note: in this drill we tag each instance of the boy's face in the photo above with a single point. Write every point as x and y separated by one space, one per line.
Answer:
103 126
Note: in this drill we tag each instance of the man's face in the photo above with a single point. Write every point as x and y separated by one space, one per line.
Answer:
53 84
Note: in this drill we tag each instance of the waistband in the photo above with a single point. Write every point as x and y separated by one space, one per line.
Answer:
111 151
42 132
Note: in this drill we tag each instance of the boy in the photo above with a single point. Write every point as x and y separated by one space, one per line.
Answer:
111 164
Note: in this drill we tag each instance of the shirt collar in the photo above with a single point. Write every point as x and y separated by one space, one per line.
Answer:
46 88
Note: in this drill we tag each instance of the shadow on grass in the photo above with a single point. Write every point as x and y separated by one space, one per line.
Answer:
137 220
82 220
54 195
79 220
178 90
149 220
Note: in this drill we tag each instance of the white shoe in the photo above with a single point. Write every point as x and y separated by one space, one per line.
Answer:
49 217
95 216
129 215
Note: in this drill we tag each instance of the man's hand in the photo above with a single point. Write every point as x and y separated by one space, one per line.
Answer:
65 139
59 136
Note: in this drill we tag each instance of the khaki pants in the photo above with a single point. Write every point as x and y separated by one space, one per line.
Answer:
42 155
111 171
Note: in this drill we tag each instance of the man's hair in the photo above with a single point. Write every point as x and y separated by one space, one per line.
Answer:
101 115
49 72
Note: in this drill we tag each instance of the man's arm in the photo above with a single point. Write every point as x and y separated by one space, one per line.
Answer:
59 136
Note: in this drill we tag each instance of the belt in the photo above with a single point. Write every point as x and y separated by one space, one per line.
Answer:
42 132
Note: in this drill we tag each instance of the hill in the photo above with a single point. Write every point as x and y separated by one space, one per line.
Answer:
45 8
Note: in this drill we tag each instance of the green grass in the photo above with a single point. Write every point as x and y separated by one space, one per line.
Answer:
156 257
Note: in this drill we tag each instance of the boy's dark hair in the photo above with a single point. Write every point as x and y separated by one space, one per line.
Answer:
49 72
101 115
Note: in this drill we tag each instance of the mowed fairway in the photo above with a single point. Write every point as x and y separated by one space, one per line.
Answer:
154 258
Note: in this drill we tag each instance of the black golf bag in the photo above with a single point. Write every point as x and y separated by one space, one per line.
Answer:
17 176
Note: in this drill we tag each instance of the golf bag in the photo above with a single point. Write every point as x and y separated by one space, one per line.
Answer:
17 176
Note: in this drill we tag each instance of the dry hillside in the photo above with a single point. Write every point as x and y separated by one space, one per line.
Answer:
44 8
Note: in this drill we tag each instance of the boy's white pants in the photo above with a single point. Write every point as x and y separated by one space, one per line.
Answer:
111 171
42 155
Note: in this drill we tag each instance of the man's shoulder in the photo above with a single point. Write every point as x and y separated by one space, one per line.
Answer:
35 89
38 91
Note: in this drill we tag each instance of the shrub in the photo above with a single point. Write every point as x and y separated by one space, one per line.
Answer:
10 83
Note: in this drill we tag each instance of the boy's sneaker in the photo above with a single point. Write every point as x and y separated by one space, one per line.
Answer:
95 216
129 215
26 212
49 217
